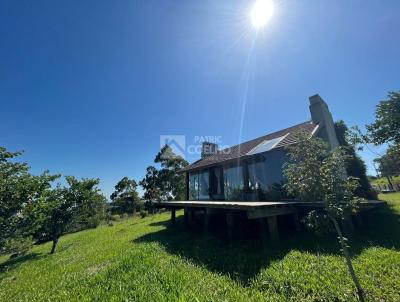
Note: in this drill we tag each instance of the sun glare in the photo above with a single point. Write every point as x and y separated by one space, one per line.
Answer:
261 13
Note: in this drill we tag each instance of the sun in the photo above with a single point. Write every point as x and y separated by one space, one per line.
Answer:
261 13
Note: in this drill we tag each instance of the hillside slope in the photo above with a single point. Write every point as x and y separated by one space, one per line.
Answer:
148 260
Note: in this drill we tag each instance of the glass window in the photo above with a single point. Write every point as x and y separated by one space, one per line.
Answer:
204 185
266 177
233 183
199 185
216 183
266 145
193 186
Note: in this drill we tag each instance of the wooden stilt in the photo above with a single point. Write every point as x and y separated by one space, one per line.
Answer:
296 221
186 215
262 224
230 224
206 220
273 227
173 215
359 220
348 226
190 216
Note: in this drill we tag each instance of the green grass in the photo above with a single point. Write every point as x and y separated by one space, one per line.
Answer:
383 180
149 260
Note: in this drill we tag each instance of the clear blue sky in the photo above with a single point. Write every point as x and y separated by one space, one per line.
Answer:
88 87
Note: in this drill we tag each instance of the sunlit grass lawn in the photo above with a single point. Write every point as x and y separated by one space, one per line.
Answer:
149 260
383 180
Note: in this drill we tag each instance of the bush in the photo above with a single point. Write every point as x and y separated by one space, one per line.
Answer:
143 214
140 206
17 246
123 216
115 217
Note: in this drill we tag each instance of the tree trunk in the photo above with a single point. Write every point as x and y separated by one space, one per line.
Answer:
53 248
346 254
389 182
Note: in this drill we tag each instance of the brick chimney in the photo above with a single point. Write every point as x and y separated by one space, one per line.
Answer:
208 149
321 115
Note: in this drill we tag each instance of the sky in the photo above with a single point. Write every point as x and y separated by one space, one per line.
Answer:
88 87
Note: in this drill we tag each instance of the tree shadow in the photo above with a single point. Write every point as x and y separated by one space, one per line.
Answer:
244 257
13 263
380 227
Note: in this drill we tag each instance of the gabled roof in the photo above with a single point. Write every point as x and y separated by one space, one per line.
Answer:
280 139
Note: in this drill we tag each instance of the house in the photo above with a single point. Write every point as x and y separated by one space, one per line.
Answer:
252 171
245 181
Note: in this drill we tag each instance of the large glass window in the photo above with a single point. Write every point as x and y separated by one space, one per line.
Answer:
193 186
233 183
266 177
199 185
204 185
216 183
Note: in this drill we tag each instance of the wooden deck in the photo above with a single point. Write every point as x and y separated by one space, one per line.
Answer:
233 205
269 210
253 205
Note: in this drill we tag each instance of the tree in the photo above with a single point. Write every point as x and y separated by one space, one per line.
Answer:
386 128
125 197
151 185
18 190
171 181
389 163
316 174
89 201
355 166
65 209
13 192
53 214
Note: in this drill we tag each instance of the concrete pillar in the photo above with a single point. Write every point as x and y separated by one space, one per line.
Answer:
230 223
273 227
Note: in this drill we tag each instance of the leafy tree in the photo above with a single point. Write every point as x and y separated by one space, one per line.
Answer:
355 166
18 190
171 181
389 163
64 209
88 199
125 197
13 193
386 128
53 214
151 185
316 174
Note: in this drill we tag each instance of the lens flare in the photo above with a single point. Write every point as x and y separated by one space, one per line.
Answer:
261 13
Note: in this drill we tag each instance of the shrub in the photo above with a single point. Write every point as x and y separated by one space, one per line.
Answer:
115 217
143 214
17 246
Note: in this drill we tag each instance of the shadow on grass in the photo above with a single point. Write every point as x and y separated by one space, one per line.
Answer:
13 263
244 257
380 227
